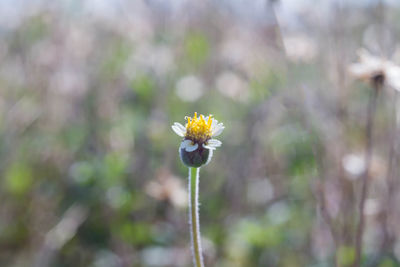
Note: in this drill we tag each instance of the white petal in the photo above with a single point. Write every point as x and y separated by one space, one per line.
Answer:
209 157
393 77
179 129
218 129
395 84
360 70
214 123
183 128
185 143
190 148
214 143
209 147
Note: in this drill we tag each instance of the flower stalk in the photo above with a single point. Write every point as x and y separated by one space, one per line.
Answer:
194 220
377 84
388 238
196 150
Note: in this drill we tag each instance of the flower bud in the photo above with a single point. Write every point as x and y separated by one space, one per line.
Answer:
196 158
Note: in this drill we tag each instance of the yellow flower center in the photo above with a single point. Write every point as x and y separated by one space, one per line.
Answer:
198 129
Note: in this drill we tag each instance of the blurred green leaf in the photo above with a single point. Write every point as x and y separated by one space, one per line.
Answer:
197 48
258 234
114 167
135 233
345 255
15 234
144 87
83 172
388 263
18 178
117 56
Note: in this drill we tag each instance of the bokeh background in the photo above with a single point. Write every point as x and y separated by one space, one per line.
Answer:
90 173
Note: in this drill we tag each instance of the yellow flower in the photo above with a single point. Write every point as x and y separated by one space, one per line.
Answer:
198 128
198 143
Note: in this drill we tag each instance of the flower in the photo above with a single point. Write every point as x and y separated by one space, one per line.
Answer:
377 70
198 144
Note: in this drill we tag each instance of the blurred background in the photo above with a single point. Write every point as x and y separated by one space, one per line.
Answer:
90 173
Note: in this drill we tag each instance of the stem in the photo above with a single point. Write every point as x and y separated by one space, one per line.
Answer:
365 177
194 216
390 174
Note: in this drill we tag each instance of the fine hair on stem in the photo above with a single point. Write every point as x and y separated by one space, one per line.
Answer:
194 220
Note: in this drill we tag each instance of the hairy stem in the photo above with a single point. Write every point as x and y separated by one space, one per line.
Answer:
194 220
364 190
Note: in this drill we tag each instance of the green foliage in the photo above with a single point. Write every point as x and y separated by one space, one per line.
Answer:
18 178
345 256
197 48
135 233
388 263
119 51
144 87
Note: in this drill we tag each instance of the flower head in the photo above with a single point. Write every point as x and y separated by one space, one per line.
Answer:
198 143
376 70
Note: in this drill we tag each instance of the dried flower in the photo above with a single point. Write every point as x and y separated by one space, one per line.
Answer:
376 70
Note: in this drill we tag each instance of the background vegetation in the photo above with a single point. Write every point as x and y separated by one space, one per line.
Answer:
90 174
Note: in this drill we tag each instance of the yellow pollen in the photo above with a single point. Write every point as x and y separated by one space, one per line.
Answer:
198 129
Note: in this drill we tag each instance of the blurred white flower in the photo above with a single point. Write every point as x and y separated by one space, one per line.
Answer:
300 48
260 191
376 69
168 188
189 88
69 82
147 57
230 85
372 207
353 165
279 213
